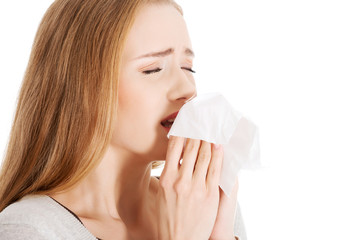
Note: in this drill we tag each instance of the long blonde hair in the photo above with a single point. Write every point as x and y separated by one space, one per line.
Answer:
65 111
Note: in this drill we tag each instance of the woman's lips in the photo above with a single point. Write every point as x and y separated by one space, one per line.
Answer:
166 128
167 122
171 116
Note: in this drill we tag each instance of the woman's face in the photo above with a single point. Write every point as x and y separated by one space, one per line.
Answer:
155 80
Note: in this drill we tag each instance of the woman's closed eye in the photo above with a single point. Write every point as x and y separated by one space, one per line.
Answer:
152 71
159 69
189 69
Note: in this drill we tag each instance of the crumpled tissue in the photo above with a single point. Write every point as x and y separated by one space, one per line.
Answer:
211 118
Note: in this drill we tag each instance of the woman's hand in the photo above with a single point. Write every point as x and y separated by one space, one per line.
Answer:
188 195
225 220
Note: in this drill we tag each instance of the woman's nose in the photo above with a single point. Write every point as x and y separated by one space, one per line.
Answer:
183 86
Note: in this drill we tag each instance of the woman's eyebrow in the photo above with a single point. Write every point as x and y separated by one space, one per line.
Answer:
188 52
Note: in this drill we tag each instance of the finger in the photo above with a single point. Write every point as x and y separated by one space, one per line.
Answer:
214 171
202 163
173 154
189 158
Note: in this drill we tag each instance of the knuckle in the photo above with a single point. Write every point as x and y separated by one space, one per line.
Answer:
192 145
165 183
204 155
182 187
213 171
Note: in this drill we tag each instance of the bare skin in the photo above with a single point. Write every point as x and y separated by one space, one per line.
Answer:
119 199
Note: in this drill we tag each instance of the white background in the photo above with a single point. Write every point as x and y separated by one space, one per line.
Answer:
293 67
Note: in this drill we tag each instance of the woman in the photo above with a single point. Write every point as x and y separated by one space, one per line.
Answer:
91 122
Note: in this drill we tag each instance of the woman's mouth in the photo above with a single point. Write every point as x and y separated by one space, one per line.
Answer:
168 121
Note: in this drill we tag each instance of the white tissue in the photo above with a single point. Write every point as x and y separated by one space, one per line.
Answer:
211 118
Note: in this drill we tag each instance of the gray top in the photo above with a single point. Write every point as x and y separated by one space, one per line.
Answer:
39 217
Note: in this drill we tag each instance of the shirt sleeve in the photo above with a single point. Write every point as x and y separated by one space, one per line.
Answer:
239 227
19 232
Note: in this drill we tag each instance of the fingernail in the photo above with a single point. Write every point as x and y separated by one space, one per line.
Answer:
217 146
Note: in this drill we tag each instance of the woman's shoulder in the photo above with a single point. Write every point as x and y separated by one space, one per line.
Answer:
25 210
20 220
42 217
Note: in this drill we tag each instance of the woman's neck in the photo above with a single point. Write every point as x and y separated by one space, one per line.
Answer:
119 188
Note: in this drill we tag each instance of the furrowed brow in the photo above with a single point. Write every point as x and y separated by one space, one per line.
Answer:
189 52
165 53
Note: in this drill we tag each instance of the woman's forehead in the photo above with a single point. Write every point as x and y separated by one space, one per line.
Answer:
157 28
